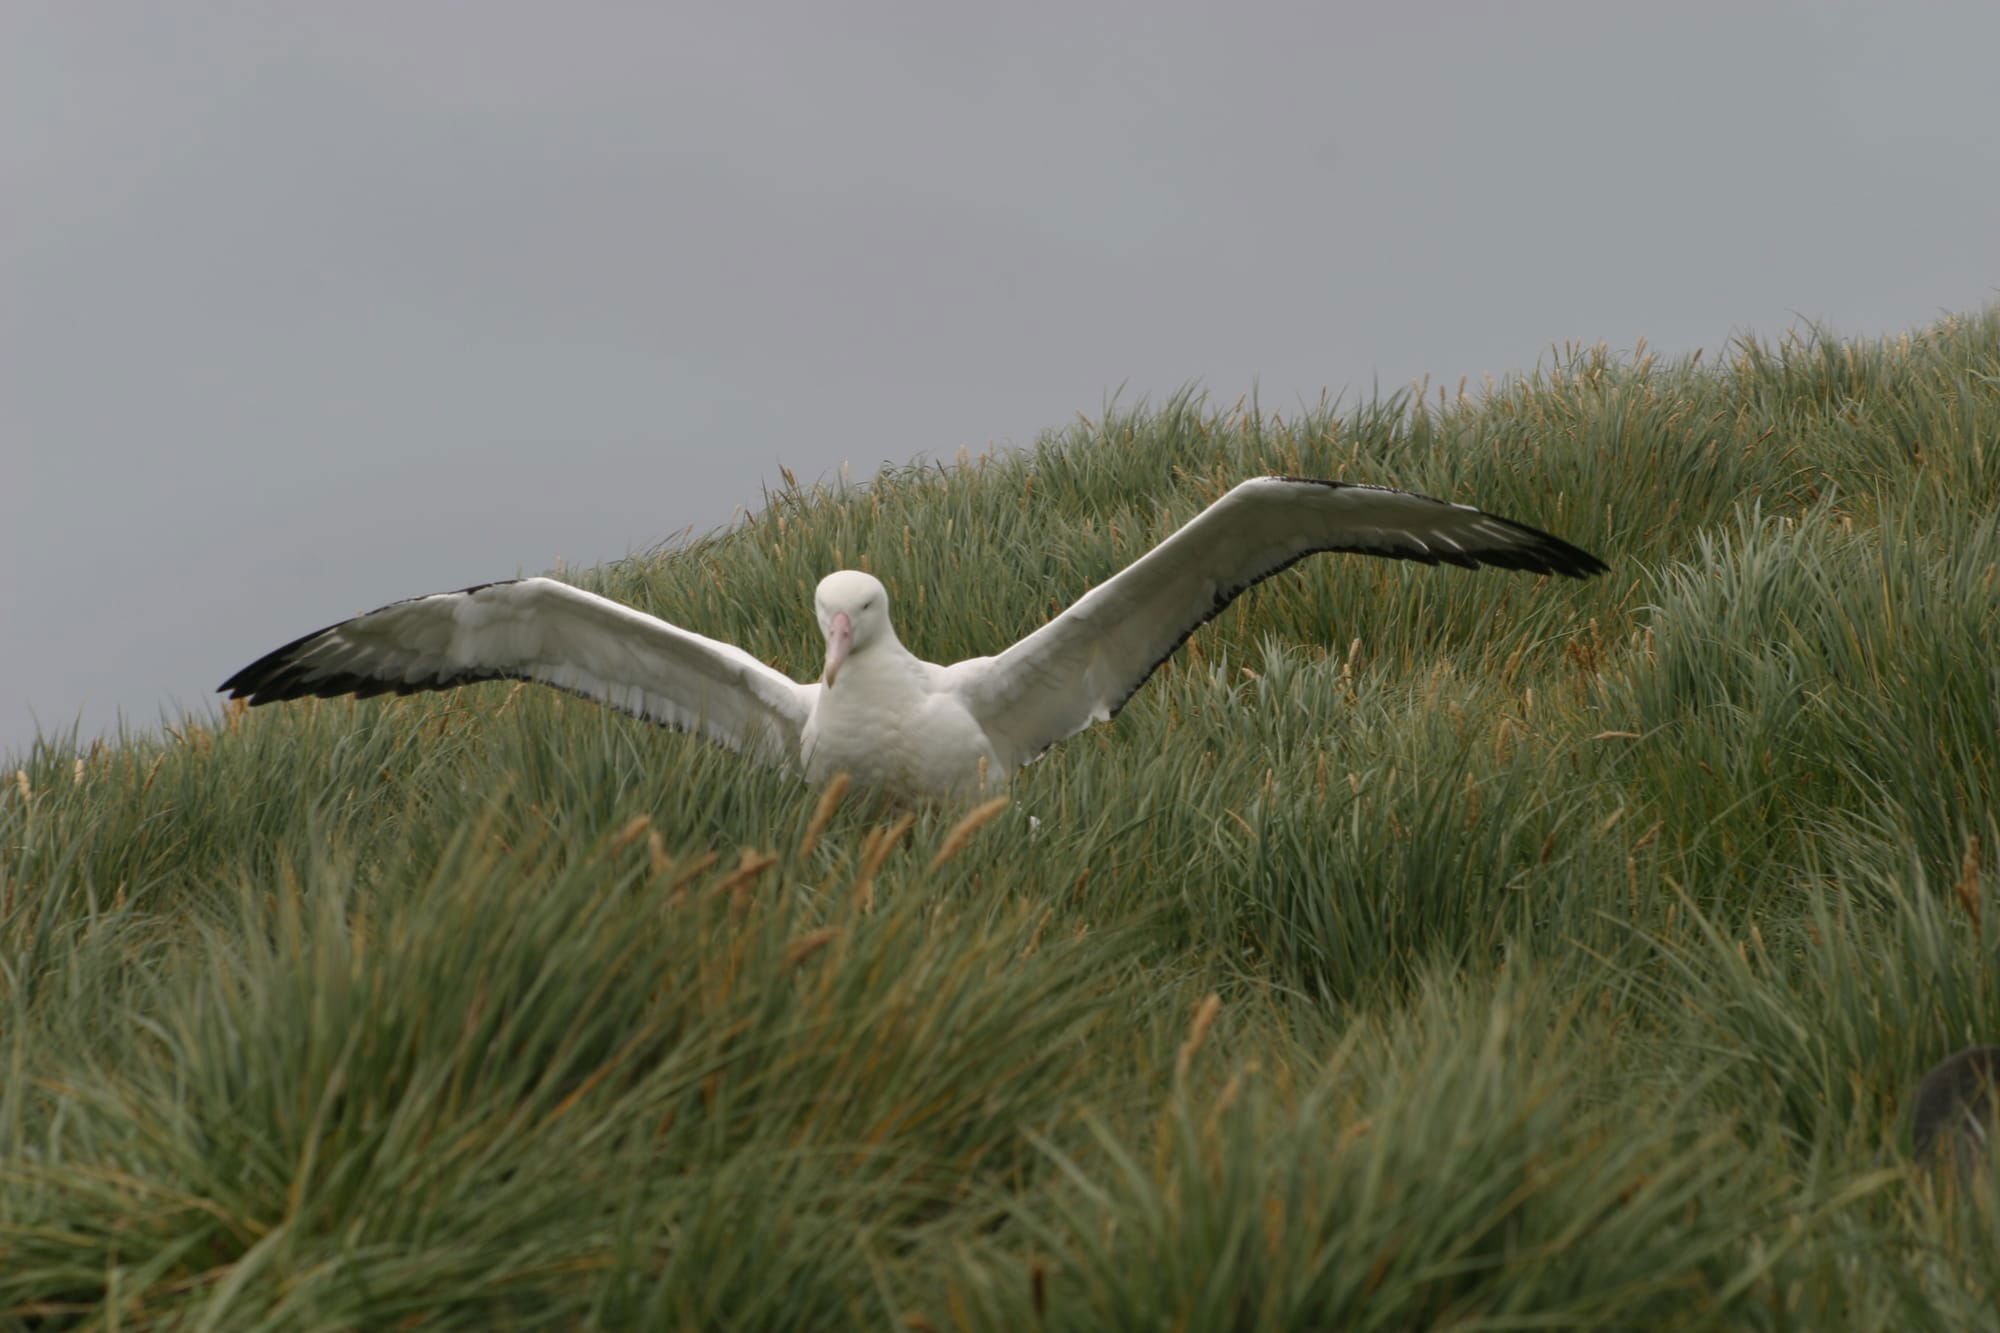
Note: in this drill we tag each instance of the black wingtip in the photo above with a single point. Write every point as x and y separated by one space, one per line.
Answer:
1543 553
275 677
1556 556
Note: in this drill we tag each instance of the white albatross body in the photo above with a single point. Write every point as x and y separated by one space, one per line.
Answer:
912 728
891 720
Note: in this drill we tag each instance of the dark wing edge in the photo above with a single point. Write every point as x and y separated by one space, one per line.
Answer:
1546 553
281 675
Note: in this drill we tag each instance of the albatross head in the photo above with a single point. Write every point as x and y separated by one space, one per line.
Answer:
853 611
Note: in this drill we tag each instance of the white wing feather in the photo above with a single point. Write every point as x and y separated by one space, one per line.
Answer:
541 630
1082 666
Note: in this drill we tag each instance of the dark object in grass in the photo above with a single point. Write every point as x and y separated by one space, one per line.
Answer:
1955 1107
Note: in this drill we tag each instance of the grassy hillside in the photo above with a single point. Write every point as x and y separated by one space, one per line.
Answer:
1420 947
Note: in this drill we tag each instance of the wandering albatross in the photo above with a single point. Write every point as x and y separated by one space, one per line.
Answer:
912 728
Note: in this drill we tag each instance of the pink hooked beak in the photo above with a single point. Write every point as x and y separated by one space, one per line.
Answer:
839 639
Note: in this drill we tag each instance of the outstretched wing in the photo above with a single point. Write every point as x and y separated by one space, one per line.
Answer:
541 630
1082 666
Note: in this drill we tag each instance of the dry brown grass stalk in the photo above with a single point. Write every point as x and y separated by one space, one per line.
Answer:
805 946
961 833
829 801
678 889
1204 1019
738 883
1967 887
628 835
874 851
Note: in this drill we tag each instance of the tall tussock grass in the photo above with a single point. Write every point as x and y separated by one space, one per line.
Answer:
1418 949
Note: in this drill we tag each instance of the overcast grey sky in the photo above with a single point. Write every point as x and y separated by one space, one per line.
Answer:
308 307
